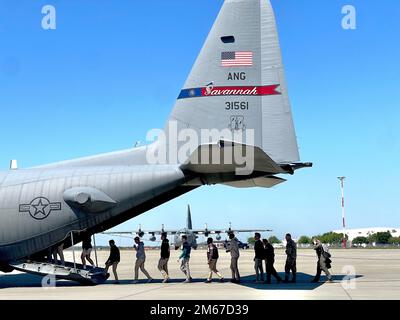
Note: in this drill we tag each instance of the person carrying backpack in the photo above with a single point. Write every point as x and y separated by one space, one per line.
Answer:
212 258
185 256
323 262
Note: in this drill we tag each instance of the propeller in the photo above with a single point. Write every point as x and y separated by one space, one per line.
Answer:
140 233
206 232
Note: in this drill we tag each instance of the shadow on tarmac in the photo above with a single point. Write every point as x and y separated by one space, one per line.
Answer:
303 282
25 280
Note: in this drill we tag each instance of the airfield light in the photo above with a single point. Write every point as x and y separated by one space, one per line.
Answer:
344 244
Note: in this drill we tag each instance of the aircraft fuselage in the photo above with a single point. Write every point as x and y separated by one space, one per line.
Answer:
40 207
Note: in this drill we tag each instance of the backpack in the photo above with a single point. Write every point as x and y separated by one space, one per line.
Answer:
215 254
328 263
325 251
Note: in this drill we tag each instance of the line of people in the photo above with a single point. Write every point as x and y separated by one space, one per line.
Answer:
264 254
264 251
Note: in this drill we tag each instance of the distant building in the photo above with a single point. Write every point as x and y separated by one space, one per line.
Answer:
366 232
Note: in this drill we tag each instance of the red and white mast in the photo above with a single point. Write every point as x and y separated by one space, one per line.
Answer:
344 245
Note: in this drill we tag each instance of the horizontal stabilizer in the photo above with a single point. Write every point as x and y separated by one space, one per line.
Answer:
262 182
227 157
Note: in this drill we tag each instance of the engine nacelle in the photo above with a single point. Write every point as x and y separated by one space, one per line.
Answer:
140 234
153 238
218 237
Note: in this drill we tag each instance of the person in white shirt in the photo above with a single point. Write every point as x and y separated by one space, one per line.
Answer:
140 260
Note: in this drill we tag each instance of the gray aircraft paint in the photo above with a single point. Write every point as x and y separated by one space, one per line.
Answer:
99 192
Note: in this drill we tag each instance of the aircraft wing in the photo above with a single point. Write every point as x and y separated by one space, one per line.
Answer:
128 235
203 231
218 231
132 234
247 230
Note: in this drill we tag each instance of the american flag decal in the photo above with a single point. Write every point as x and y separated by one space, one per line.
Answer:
237 59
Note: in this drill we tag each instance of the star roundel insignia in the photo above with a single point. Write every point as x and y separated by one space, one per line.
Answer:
40 208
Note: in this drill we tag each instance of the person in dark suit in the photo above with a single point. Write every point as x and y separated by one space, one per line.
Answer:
259 258
113 260
269 254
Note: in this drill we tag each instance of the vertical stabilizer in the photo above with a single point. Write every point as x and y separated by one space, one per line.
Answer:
238 82
189 225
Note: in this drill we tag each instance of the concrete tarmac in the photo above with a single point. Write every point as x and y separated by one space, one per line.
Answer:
358 274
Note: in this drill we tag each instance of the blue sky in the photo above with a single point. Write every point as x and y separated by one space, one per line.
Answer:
112 70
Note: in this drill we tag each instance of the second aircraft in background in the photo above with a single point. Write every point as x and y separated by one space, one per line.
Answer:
192 234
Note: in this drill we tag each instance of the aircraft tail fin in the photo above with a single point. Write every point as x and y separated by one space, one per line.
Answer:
189 224
237 83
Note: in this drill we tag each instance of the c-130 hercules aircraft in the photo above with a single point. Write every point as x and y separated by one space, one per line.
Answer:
191 234
237 84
